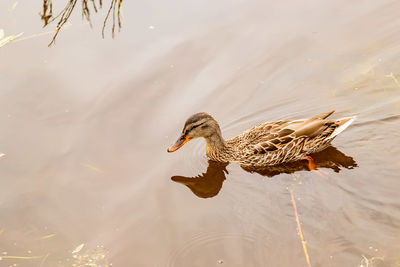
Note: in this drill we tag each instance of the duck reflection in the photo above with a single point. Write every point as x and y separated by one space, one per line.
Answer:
209 184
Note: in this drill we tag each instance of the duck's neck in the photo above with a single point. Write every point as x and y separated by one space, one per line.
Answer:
215 146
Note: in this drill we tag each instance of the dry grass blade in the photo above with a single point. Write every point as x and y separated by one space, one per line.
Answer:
78 248
14 6
21 257
303 241
391 75
44 259
9 39
47 236
93 168
364 261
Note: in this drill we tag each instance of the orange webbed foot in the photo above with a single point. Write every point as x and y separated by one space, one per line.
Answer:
311 164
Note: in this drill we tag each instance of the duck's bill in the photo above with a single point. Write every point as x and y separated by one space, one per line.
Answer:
178 144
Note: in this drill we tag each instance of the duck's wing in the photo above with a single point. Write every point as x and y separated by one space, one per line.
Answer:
257 134
274 141
284 141
311 134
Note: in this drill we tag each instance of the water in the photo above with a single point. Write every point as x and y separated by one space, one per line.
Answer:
86 123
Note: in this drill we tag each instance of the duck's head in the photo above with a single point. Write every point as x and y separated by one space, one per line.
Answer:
198 125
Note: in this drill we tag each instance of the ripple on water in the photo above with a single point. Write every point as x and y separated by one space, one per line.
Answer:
213 249
192 157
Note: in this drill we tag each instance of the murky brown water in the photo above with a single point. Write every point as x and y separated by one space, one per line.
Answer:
85 126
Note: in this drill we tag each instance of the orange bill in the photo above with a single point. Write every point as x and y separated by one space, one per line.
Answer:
178 144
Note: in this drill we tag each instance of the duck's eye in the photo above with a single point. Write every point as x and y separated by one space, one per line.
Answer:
193 127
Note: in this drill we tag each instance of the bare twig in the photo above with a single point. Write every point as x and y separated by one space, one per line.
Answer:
64 15
47 11
112 8
86 12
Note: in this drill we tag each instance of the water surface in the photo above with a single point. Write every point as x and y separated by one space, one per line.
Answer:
86 123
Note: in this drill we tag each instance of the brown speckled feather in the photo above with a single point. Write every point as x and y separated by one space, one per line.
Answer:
277 142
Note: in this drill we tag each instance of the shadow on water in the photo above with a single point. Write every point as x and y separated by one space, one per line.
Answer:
209 184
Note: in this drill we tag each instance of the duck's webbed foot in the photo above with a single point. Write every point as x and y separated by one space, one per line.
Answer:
311 164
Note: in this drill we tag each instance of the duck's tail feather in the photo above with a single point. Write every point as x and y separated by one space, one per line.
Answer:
323 115
343 124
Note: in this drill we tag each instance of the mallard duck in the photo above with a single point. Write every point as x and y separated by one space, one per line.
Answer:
269 143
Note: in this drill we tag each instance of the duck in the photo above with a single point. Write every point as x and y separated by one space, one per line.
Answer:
266 144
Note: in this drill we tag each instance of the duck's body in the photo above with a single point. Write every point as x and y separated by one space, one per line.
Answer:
269 143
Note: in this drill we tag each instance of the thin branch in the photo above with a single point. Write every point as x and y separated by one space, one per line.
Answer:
48 17
113 27
47 11
86 12
105 20
94 6
113 8
65 14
